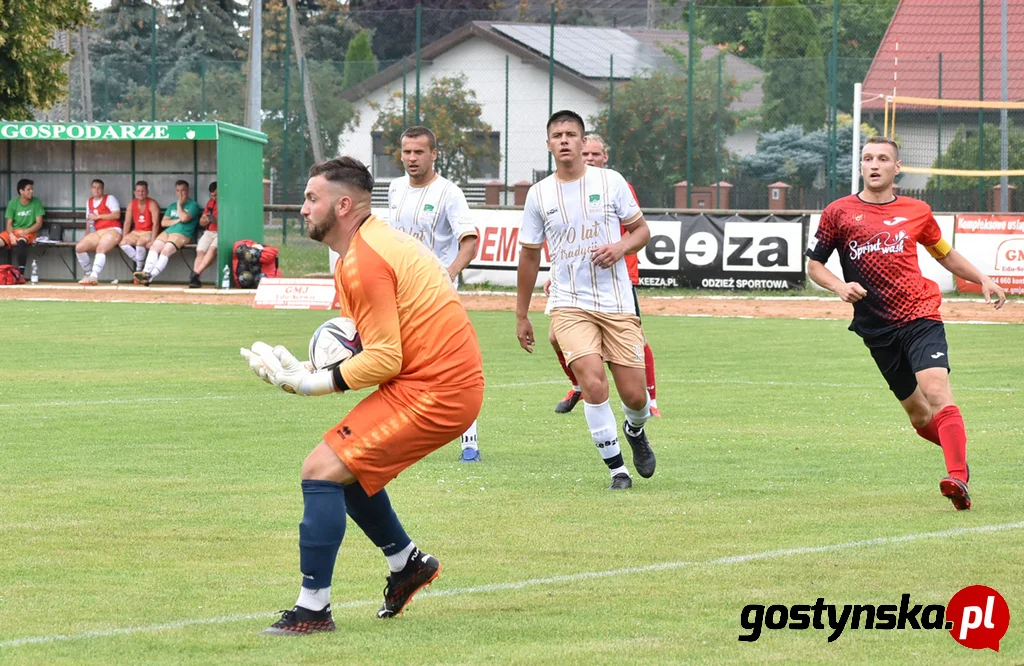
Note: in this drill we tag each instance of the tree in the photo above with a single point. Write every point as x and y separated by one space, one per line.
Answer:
121 52
360 63
798 158
452 113
31 70
647 131
394 21
202 30
795 89
962 153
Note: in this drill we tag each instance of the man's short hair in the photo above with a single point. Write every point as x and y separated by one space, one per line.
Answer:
181 182
213 187
420 130
143 183
97 180
596 137
564 116
23 183
345 170
887 141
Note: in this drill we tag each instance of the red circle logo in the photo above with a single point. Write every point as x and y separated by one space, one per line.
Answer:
979 617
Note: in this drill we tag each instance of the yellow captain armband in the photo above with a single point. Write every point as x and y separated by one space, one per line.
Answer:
940 249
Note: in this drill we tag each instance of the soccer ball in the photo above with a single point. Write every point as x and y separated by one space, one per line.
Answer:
335 341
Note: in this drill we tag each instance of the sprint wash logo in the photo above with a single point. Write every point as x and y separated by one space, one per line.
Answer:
977 617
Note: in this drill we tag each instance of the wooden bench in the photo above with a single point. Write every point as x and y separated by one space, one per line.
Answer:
75 222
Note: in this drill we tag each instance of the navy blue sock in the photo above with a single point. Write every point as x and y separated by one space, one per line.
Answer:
321 531
376 518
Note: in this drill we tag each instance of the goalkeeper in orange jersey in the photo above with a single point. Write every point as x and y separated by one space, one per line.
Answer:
422 354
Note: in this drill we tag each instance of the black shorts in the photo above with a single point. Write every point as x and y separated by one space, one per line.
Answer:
636 302
902 353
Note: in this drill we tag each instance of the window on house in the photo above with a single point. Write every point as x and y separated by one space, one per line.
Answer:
384 166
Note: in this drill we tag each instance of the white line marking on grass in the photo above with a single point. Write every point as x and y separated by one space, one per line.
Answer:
550 382
532 582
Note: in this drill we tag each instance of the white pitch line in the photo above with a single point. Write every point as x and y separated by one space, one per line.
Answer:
551 382
533 582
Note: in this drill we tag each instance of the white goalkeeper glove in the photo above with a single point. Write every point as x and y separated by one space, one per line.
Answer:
279 367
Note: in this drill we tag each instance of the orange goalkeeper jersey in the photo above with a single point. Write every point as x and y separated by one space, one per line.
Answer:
412 325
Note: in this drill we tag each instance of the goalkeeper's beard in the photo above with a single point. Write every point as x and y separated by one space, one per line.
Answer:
318 230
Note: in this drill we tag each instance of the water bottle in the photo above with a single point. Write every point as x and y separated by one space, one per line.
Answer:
91 226
225 280
35 272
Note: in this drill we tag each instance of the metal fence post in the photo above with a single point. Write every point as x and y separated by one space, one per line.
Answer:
202 76
611 108
152 67
718 134
505 190
689 106
938 197
106 89
551 73
981 97
419 49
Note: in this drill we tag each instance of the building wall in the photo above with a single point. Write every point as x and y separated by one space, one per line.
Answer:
483 64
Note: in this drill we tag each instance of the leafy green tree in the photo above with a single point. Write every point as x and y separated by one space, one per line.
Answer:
647 130
452 113
962 153
31 71
393 22
360 63
795 88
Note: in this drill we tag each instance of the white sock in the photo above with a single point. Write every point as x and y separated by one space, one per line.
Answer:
398 561
150 260
469 439
605 433
635 419
83 260
314 600
129 251
140 256
161 264
98 263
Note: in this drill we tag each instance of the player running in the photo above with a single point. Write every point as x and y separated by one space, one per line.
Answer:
895 309
579 209
595 153
419 350
427 206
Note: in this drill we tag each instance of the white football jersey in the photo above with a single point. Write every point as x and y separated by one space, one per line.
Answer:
576 217
437 215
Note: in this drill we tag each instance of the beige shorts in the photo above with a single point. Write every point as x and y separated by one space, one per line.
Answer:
137 238
616 337
208 239
177 240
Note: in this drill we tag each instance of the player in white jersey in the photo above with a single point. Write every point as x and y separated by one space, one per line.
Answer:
433 209
578 210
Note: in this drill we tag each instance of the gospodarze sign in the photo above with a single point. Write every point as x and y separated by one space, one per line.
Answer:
108 131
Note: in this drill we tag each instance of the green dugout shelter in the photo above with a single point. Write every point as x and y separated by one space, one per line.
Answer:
64 158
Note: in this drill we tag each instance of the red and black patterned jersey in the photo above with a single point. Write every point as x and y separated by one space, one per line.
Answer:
877 245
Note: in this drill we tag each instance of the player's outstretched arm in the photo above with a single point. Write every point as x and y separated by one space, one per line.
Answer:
850 292
529 266
958 265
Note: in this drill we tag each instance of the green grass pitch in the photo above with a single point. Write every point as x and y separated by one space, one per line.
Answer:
149 500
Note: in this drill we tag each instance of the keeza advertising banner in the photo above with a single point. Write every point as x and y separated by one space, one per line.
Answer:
725 252
995 244
695 251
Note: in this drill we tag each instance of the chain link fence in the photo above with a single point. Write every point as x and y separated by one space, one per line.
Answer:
699 105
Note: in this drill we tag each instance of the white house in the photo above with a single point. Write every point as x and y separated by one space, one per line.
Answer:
583 60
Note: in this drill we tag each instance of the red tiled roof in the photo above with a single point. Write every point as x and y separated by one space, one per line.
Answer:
926 28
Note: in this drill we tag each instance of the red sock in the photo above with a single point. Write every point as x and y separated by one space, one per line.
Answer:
649 369
950 425
930 432
565 368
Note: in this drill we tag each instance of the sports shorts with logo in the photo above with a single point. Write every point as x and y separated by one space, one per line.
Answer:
397 425
617 338
902 352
